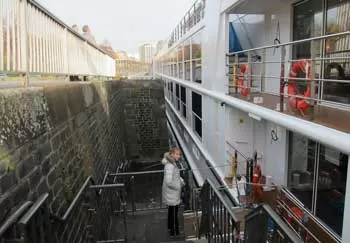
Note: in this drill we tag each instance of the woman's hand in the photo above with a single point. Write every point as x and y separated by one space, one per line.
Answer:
182 182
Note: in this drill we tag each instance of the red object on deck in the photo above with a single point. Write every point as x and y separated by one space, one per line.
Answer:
257 189
244 90
299 66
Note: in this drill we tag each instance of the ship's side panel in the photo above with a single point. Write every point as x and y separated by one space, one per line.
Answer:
282 17
248 135
215 44
297 158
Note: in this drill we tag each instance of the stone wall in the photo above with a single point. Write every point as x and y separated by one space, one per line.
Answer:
147 134
52 138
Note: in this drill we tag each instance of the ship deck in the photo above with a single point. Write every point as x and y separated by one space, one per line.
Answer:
324 115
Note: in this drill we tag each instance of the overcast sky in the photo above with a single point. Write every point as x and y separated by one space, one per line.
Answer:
125 23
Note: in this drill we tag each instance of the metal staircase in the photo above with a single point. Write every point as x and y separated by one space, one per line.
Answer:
129 205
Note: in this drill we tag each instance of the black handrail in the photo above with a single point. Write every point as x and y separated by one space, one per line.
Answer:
223 201
14 217
218 220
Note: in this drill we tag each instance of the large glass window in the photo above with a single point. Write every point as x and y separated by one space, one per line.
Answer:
183 102
197 113
337 50
317 177
196 48
171 92
320 17
308 19
332 173
187 59
180 61
177 93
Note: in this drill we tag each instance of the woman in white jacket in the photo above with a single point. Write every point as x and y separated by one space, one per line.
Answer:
172 185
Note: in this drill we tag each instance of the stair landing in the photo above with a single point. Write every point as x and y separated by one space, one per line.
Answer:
146 227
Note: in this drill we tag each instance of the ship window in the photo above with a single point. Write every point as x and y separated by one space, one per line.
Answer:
308 22
337 66
187 48
177 93
331 187
187 58
317 177
183 102
187 70
197 113
180 61
196 48
171 92
301 168
174 61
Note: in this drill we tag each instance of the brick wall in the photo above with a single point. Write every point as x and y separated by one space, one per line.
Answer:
53 138
146 130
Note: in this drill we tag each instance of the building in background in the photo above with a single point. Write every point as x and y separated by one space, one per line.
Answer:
127 65
147 52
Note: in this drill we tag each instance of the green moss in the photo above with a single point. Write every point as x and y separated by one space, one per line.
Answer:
5 160
67 189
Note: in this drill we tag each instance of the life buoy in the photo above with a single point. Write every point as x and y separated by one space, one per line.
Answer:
300 216
297 212
244 90
299 66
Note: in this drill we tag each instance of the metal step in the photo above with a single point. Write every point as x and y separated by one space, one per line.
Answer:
240 214
191 224
188 241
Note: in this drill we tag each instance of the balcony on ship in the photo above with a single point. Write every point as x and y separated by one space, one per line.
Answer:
305 74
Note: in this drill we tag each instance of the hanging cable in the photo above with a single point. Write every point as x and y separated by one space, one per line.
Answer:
277 40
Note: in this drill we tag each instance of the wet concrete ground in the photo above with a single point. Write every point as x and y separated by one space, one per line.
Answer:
146 227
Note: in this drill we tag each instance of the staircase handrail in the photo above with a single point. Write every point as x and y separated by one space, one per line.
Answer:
288 232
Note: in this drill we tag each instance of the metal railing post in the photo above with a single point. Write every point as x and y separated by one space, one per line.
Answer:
312 78
133 205
235 68
125 215
283 56
26 42
249 72
263 71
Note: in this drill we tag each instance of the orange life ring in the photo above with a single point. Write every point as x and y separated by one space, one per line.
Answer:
244 90
299 66
299 215
297 212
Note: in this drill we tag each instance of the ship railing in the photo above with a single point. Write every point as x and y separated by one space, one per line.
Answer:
218 221
267 72
143 188
35 42
307 226
264 225
193 16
